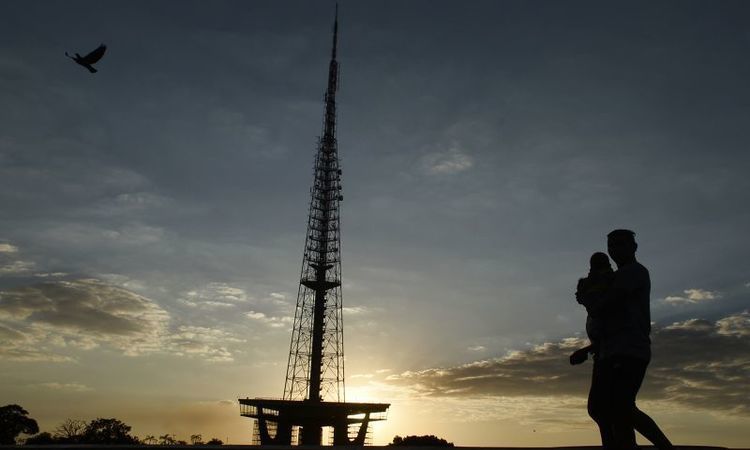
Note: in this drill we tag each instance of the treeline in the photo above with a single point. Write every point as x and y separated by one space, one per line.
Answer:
420 441
14 421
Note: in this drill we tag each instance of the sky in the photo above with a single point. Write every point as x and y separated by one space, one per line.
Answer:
152 215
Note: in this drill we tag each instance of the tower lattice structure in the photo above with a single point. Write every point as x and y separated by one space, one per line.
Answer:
314 397
315 369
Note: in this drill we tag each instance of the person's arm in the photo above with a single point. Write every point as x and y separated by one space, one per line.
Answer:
580 355
608 300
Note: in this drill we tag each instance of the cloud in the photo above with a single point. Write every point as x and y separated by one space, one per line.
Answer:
16 345
50 274
355 310
208 343
697 363
9 334
85 305
737 325
238 131
83 313
128 202
9 265
122 281
542 370
27 354
692 296
275 322
86 235
16 267
135 234
72 387
215 295
46 320
447 162
8 248
361 375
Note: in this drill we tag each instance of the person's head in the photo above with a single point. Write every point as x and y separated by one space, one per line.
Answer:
599 262
621 246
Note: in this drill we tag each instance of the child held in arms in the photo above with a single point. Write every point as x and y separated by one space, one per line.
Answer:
598 280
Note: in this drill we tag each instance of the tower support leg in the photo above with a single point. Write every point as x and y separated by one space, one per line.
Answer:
362 433
341 433
265 438
311 434
283 433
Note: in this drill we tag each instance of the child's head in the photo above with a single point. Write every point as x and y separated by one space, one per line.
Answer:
600 262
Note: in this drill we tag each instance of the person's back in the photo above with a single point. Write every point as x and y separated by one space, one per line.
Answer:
628 315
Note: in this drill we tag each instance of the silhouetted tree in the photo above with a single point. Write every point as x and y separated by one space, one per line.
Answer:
215 441
43 438
70 431
196 439
149 439
167 439
420 441
107 431
14 420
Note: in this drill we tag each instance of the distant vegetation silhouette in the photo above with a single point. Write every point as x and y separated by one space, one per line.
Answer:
167 439
71 430
108 431
14 421
420 441
98 431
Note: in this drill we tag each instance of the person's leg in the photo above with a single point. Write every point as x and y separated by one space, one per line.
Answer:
597 403
627 376
646 426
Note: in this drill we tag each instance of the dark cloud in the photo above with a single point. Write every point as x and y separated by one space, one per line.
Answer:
38 322
697 363
86 306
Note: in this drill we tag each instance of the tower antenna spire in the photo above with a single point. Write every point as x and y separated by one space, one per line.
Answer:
335 32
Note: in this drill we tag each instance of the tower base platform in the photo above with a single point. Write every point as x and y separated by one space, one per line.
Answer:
277 421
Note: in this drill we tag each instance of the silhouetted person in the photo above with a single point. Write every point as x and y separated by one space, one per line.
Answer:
619 324
91 58
599 279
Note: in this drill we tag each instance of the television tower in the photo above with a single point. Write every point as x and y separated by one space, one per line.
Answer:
314 395
316 355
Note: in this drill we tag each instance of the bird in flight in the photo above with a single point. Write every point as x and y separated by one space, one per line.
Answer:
91 58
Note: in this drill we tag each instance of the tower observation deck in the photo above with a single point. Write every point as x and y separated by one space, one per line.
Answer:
314 393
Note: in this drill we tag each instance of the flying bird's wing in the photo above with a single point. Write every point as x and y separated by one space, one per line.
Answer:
95 55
